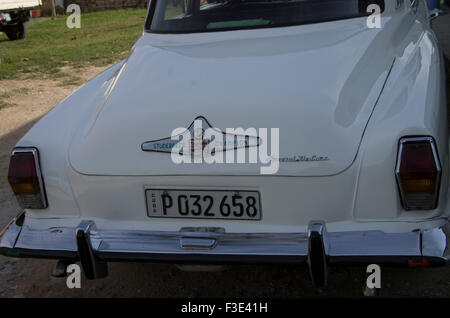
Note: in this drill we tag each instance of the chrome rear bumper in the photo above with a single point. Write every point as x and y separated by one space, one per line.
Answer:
316 248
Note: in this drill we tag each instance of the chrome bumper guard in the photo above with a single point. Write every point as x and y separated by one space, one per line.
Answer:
317 248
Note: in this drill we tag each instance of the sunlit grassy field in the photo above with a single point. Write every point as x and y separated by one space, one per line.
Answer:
104 37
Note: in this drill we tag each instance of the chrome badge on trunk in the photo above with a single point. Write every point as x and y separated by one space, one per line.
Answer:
236 140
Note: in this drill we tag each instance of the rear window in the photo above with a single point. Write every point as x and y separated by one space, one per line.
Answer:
186 16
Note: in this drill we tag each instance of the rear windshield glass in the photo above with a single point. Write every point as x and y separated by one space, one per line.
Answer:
185 16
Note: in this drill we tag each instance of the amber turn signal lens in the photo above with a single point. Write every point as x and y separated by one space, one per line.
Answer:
419 185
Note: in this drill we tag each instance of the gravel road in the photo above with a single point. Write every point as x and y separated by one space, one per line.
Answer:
31 277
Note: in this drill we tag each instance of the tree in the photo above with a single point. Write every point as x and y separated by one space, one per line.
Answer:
52 5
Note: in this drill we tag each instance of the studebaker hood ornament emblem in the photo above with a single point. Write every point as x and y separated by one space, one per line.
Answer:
234 140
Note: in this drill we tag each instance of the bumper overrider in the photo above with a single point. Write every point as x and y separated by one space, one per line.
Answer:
317 248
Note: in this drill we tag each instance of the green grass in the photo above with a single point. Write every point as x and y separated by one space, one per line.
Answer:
104 37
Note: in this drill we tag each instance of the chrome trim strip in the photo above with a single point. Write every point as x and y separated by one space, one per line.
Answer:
9 235
289 244
37 163
436 160
317 258
319 227
366 243
54 238
431 243
435 242
196 243
92 268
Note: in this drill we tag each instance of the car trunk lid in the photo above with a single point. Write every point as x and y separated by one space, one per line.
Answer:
317 83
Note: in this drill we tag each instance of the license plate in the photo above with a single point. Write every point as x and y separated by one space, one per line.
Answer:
204 204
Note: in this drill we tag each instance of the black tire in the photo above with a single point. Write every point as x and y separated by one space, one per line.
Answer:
16 32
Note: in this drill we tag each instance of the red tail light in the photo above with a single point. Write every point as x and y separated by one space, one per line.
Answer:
25 178
418 173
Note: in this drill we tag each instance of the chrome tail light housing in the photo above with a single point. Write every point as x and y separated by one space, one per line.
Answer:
26 180
418 173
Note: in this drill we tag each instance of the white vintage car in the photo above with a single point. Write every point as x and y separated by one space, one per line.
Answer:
356 116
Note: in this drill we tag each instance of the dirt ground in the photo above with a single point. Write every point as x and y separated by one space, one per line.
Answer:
27 101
